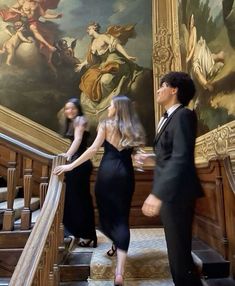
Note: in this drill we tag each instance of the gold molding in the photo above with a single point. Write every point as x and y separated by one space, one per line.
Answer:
166 48
219 142
166 56
28 131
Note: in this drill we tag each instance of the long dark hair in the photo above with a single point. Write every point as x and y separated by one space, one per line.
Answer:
67 122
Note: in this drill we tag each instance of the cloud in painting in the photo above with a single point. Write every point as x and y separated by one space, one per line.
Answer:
78 13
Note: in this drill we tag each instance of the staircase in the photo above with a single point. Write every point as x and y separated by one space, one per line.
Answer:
27 173
75 269
12 242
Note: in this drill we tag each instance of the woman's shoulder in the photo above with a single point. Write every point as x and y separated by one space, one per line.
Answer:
108 124
80 120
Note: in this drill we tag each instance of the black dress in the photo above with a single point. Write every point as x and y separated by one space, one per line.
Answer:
114 189
78 210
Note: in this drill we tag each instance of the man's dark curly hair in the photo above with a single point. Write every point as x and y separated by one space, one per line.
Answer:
184 83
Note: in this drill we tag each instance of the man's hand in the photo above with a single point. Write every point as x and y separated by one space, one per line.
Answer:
151 206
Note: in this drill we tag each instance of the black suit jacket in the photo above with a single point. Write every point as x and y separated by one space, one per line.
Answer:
175 177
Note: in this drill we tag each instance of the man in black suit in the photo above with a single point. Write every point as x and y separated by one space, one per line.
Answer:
176 185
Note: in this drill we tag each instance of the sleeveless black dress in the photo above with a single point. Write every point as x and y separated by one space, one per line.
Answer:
78 209
114 189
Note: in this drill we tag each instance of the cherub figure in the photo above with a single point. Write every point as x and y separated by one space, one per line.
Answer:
32 10
10 45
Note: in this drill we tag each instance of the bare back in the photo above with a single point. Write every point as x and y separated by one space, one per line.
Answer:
112 133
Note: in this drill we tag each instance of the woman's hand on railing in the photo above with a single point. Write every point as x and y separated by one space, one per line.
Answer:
61 169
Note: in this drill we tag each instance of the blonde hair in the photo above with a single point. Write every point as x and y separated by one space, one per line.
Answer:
131 130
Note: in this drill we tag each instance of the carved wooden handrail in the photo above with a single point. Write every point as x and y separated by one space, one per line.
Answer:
25 147
38 264
25 166
19 127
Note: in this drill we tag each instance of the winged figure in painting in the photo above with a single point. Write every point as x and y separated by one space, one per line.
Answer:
111 69
29 12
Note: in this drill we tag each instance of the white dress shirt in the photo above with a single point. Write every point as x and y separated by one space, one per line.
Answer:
166 114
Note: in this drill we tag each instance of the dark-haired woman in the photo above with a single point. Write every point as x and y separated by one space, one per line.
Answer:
78 210
120 133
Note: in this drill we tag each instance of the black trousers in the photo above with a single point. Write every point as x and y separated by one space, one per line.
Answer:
177 218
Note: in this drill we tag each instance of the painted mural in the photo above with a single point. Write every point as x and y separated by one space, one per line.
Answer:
207 41
51 50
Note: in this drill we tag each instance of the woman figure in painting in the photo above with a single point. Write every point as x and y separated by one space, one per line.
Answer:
78 209
111 70
205 65
120 133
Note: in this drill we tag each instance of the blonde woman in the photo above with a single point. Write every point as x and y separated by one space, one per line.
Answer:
120 134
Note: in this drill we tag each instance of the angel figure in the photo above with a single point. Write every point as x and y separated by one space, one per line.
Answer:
16 37
29 12
205 64
110 69
32 10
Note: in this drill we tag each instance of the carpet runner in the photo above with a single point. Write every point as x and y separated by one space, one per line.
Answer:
146 265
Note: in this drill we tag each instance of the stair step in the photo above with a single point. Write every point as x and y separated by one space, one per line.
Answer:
3 194
9 259
75 267
212 263
2 182
4 281
19 205
34 217
73 283
14 239
134 282
1 217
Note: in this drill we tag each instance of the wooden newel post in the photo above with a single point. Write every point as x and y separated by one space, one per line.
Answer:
9 214
44 184
26 212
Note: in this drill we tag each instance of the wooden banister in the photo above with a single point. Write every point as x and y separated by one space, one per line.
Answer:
26 149
27 168
30 132
38 264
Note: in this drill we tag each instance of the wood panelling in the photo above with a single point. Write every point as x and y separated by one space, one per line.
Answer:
215 212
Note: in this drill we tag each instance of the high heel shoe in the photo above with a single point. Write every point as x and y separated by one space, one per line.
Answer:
118 280
88 243
112 250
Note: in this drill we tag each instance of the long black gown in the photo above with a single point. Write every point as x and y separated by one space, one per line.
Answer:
78 210
114 189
